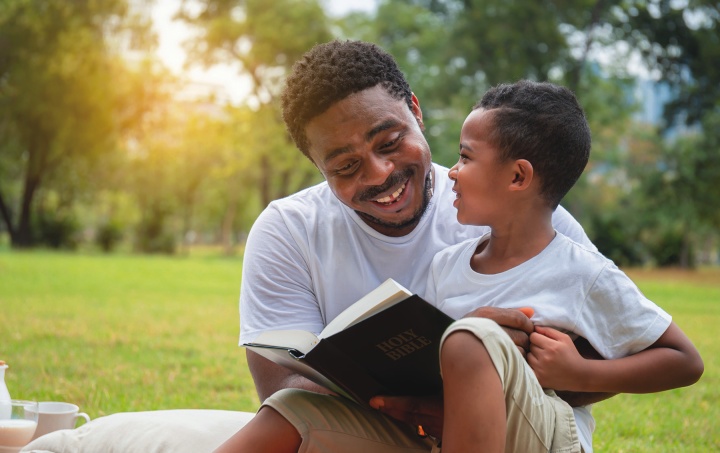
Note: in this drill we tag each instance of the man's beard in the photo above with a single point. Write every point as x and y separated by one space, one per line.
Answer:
417 215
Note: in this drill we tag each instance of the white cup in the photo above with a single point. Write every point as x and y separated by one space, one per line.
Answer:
54 415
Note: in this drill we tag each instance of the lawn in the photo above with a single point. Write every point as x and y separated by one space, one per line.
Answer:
127 333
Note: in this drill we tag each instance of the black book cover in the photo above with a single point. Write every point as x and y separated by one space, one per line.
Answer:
394 352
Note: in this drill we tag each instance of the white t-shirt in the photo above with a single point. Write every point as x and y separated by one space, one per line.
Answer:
571 288
308 256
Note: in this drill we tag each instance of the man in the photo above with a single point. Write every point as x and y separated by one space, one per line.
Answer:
383 212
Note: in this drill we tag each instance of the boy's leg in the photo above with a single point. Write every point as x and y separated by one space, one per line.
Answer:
536 420
329 424
473 397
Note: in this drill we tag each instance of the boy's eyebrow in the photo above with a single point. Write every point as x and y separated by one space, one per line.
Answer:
465 147
385 125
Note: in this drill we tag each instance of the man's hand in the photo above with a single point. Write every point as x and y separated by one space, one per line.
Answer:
425 411
516 323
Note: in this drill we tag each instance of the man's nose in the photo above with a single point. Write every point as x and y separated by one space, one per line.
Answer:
378 169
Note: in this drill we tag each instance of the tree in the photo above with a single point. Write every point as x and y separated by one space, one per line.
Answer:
56 96
246 33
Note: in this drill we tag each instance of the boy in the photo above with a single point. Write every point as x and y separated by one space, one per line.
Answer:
521 149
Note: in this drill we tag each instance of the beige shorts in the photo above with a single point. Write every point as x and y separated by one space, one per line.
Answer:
538 421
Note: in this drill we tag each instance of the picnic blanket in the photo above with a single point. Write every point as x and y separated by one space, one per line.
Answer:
162 431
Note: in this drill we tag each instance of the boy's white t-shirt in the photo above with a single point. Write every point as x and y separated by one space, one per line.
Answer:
571 288
308 256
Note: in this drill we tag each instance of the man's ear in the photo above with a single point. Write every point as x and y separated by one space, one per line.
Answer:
522 175
417 113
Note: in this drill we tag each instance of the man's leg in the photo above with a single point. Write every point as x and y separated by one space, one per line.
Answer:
267 432
325 424
473 396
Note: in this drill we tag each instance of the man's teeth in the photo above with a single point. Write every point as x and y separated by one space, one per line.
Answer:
393 196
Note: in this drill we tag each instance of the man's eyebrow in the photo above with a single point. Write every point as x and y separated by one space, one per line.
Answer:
336 152
385 125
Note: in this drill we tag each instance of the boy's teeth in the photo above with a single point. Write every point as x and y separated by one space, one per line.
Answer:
393 196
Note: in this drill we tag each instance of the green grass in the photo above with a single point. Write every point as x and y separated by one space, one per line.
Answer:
128 333
123 333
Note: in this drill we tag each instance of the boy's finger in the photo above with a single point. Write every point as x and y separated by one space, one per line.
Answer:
551 333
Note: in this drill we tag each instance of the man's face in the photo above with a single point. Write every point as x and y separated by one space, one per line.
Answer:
370 148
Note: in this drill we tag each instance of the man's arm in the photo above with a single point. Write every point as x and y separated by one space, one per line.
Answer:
270 377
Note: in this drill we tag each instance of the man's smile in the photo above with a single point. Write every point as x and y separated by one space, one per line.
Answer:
393 197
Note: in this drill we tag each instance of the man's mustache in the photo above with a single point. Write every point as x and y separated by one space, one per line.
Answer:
394 179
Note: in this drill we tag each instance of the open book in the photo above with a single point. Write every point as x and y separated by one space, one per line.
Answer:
387 343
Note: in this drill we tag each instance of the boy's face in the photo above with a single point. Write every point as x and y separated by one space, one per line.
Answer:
481 180
370 148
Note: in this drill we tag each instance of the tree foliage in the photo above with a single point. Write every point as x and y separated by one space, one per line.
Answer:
56 94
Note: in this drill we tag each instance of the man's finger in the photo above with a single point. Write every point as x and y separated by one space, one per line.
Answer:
518 337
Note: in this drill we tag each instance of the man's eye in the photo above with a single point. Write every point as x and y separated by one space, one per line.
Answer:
346 169
390 144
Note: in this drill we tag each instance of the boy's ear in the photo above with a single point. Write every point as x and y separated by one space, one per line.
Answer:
522 175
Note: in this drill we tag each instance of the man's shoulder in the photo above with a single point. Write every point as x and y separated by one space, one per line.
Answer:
579 255
306 202
451 253
302 210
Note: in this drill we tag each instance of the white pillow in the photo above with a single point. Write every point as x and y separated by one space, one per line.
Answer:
165 431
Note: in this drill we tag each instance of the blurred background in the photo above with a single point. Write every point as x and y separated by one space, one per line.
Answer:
155 127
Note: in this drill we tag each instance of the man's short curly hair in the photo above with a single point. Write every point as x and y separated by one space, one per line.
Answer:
331 72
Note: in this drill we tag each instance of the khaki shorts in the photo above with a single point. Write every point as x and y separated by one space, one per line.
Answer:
538 421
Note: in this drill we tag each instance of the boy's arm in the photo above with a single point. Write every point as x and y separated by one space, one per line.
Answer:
576 399
671 362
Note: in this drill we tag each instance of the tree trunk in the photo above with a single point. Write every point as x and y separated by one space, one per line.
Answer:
265 179
23 235
226 233
7 218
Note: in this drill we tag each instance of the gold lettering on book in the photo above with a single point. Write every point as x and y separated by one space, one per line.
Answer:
402 344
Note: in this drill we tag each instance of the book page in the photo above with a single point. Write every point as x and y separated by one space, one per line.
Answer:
282 356
286 339
385 295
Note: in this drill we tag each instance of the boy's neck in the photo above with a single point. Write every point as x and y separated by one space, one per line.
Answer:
513 243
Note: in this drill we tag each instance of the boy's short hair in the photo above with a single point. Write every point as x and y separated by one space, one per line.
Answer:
331 72
544 124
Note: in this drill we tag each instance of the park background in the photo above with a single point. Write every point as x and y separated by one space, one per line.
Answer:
132 170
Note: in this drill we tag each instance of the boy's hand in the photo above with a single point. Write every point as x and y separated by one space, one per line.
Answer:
555 360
